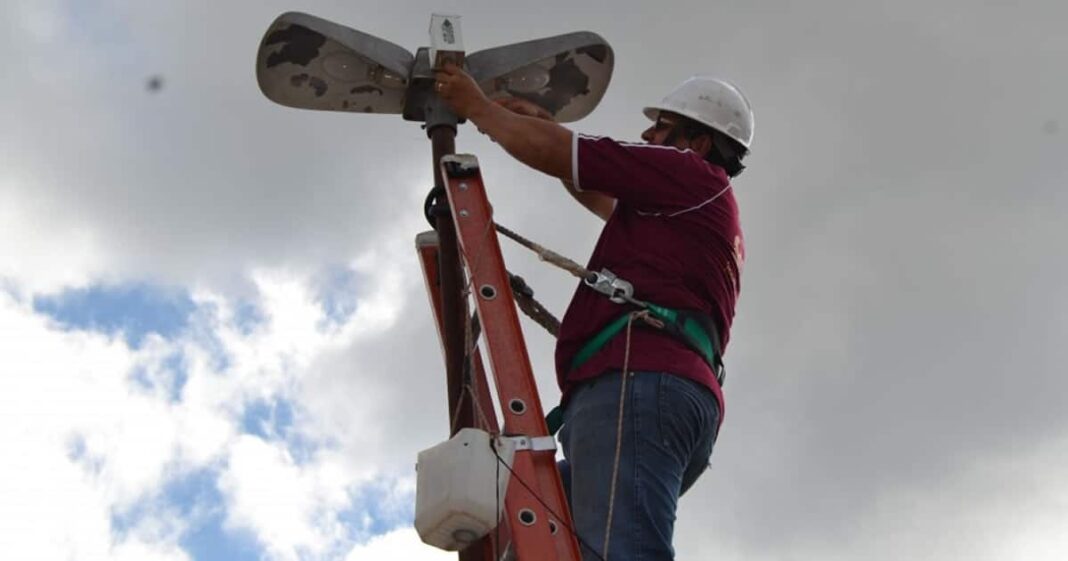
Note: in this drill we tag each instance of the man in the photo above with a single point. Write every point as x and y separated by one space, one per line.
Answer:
642 410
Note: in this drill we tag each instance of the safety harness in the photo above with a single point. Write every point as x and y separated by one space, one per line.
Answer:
695 329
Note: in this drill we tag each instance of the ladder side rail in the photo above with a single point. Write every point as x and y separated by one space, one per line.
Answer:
547 537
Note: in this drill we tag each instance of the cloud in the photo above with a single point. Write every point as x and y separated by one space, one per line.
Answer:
77 443
286 506
399 544
208 434
895 370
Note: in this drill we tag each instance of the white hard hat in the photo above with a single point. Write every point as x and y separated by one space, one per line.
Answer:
712 102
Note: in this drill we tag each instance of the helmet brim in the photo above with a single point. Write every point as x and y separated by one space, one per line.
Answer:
653 112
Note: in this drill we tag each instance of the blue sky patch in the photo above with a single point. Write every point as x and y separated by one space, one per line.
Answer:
195 497
301 447
211 541
273 421
78 453
135 310
335 290
373 511
171 376
179 374
268 420
8 287
247 317
201 330
207 538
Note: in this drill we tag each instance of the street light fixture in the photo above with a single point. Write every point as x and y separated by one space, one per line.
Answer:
311 63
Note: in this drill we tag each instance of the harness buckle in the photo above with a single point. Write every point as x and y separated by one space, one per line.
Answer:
606 282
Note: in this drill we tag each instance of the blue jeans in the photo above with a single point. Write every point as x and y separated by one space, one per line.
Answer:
669 429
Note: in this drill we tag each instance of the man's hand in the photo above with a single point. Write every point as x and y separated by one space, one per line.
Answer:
544 146
526 131
460 92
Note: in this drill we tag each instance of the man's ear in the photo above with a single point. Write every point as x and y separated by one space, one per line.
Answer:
702 144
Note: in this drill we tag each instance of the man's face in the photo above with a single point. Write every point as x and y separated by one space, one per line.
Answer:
660 131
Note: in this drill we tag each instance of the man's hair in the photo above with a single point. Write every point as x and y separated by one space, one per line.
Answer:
726 152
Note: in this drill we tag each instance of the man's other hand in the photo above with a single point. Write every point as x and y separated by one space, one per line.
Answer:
459 91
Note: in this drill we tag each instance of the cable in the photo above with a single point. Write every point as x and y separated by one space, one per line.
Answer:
471 333
436 204
533 493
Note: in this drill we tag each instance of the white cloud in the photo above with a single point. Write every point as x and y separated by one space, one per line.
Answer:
95 430
290 508
77 441
41 256
398 544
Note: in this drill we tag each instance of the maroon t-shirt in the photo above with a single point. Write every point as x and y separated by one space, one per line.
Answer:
675 235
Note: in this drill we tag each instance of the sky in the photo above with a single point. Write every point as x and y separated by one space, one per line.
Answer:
215 342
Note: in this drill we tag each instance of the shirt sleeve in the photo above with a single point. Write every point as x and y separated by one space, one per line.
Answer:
646 176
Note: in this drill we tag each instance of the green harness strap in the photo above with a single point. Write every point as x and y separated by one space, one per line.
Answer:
686 326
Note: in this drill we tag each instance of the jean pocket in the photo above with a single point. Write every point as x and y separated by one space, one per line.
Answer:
681 417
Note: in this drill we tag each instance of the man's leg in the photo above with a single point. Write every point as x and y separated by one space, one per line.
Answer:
667 433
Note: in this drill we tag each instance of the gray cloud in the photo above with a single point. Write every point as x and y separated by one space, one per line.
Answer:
895 371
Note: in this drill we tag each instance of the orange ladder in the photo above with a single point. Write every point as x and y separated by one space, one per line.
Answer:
536 518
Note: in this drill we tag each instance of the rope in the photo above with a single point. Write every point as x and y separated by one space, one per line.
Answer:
546 254
454 424
472 331
524 298
471 334
478 409
619 431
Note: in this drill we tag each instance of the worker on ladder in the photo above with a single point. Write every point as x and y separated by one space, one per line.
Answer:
642 397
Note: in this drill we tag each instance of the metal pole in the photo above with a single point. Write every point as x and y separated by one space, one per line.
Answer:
441 128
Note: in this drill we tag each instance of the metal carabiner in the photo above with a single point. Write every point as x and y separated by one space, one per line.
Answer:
616 289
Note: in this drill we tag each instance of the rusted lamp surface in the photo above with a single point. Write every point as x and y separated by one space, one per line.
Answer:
311 63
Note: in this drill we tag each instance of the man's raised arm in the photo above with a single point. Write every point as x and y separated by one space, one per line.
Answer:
524 131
